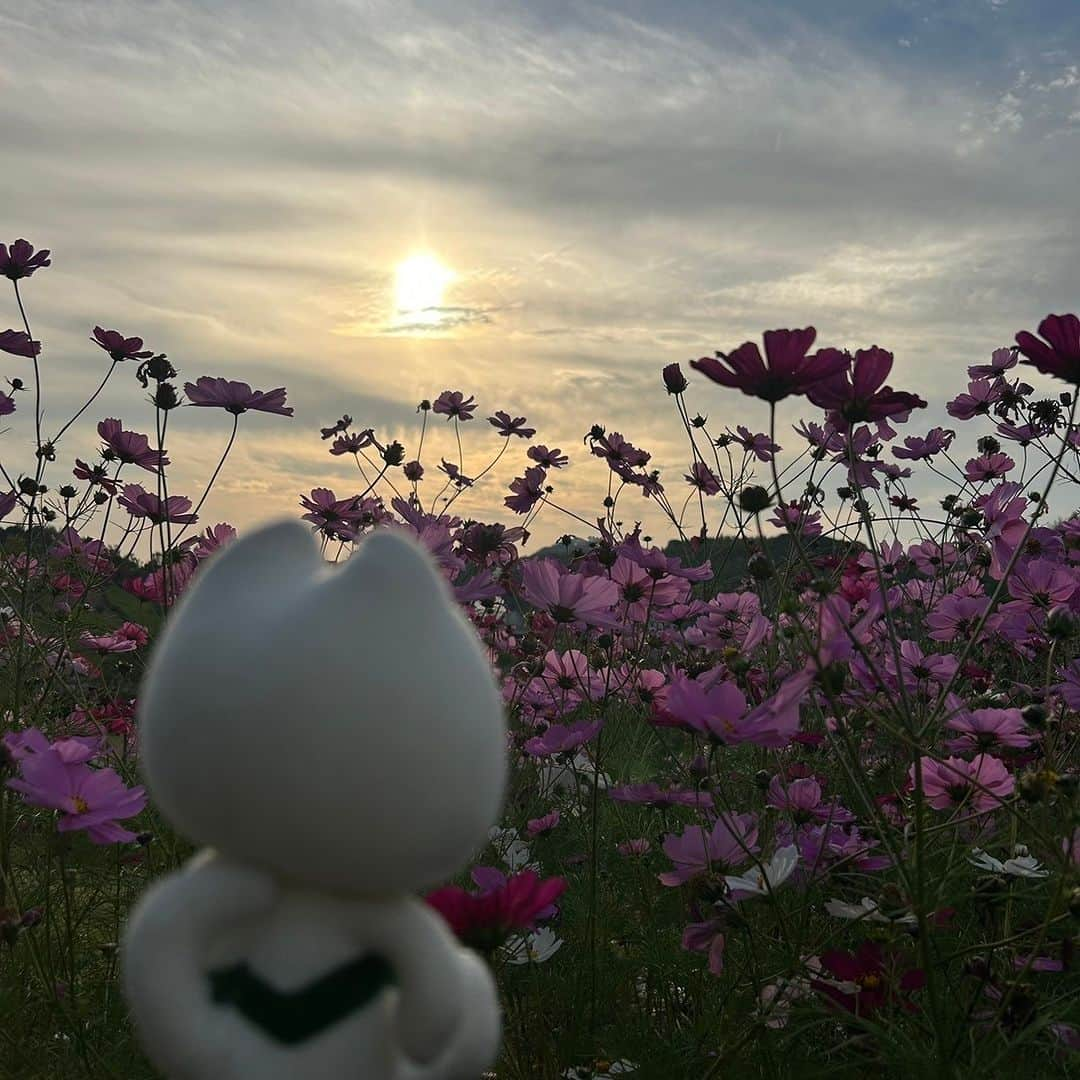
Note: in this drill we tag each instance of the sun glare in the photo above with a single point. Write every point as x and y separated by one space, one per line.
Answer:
421 280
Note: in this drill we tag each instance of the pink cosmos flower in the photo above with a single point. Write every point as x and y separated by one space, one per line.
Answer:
18 343
794 518
91 553
981 395
507 426
95 475
707 937
141 503
988 467
730 843
541 826
988 729
861 394
527 490
73 751
761 446
236 397
119 347
568 597
90 799
786 369
1058 354
162 586
654 795
129 447
127 637
561 738
20 261
1001 360
454 405
548 459
978 785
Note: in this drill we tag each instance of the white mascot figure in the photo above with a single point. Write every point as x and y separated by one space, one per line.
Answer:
335 738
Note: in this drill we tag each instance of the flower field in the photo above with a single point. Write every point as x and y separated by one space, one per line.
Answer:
793 786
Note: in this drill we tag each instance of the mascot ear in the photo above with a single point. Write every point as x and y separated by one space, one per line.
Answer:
389 566
266 559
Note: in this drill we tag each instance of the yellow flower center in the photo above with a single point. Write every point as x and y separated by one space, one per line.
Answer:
81 805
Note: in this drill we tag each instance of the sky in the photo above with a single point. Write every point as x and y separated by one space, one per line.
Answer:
614 186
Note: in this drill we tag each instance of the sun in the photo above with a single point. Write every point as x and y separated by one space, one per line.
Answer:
421 280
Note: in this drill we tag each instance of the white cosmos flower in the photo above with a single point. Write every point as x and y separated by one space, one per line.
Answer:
867 909
533 948
1020 865
761 880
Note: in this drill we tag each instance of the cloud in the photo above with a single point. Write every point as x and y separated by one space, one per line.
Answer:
236 182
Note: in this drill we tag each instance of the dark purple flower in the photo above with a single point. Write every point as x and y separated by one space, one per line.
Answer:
674 380
18 343
454 405
7 404
1059 353
19 260
333 516
527 490
129 447
140 503
1001 360
861 394
508 427
548 459
236 397
786 369
936 441
353 442
703 478
120 347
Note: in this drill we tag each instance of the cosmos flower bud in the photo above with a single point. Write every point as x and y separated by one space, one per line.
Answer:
754 498
1034 715
759 566
1060 623
67 492
674 379
394 454
413 471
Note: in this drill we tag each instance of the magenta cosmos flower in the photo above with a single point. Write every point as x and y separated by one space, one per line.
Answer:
20 261
18 343
129 447
562 738
141 503
119 347
484 920
1059 353
786 369
979 784
569 597
861 394
90 799
454 405
236 397
730 842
